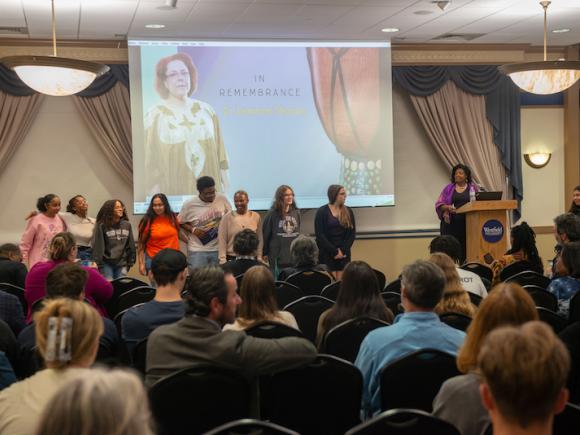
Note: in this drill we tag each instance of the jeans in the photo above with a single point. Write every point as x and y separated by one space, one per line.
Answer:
197 259
111 271
147 262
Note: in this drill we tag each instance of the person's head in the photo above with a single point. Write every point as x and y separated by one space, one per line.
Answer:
246 242
455 298
63 247
447 245
66 280
159 206
461 173
97 405
507 304
304 251
575 206
524 371
11 252
206 188
169 267
336 194
77 205
48 204
523 239
570 258
257 294
284 199
567 228
422 285
75 322
212 294
175 76
111 212
241 201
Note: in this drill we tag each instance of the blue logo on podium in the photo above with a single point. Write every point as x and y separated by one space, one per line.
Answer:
492 231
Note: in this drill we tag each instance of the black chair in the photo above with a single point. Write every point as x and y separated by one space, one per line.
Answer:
486 284
136 296
515 268
557 323
414 380
126 283
331 291
393 286
311 282
272 330
404 422
568 421
199 398
542 298
393 302
322 397
529 277
574 313
16 291
286 293
344 340
37 305
381 277
479 269
306 311
139 356
248 426
456 320
239 279
118 319
475 299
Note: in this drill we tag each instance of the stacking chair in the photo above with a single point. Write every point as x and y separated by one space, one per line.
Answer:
119 318
542 298
331 291
479 269
306 311
529 277
568 421
456 320
272 330
557 323
239 279
286 293
394 286
393 301
515 268
311 282
121 286
574 314
136 296
475 299
16 291
248 426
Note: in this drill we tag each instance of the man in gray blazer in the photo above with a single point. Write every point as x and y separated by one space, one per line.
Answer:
198 338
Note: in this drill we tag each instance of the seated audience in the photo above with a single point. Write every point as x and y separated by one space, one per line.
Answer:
211 303
245 247
304 253
566 229
11 312
68 280
450 245
507 304
455 299
422 285
523 373
7 376
169 271
568 282
68 351
12 270
359 295
10 351
63 249
98 405
258 301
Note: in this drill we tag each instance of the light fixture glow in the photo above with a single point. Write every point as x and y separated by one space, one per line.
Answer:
560 30
537 160
53 75
155 26
390 30
546 77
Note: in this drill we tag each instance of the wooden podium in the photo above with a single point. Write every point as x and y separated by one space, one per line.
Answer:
487 228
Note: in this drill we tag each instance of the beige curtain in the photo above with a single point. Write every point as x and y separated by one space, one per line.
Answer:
456 124
108 117
17 115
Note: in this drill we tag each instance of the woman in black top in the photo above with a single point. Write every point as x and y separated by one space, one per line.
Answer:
335 231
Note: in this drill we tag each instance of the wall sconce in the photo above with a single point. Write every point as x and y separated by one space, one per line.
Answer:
537 160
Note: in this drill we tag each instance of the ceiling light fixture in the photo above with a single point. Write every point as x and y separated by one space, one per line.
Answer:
390 30
155 26
560 30
442 4
169 4
545 77
53 75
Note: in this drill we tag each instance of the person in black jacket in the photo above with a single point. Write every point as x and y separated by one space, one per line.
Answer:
12 270
335 231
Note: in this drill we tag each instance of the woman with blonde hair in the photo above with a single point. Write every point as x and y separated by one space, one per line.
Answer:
98 405
67 337
507 304
258 302
455 298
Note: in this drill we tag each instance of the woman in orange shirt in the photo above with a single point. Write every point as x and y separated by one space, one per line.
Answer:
159 229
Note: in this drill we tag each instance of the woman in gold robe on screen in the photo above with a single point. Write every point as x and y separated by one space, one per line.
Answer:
182 135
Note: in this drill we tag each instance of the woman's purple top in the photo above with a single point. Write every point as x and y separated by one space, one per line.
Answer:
446 197
97 289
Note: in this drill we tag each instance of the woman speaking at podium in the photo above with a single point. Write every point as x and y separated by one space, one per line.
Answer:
459 192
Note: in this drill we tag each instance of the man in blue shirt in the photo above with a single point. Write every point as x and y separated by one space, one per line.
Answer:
422 285
169 270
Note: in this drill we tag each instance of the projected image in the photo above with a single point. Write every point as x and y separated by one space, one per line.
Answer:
254 116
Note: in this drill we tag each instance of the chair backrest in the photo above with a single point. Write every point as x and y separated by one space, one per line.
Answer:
322 397
286 293
414 380
311 282
542 298
456 320
239 279
529 277
482 270
486 283
404 422
37 305
568 421
139 356
248 426
344 340
331 291
394 286
557 323
16 291
199 398
382 279
475 299
135 296
272 330
306 311
393 301
515 268
118 319
574 313
126 283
